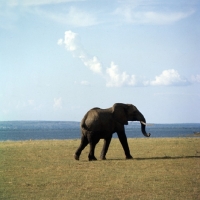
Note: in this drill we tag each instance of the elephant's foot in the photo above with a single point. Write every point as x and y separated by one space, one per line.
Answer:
129 157
102 157
91 158
76 157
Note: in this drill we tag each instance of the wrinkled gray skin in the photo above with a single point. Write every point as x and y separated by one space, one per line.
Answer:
102 123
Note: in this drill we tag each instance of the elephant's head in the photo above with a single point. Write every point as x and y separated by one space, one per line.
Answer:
128 112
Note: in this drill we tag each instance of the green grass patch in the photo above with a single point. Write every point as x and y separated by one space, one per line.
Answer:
166 168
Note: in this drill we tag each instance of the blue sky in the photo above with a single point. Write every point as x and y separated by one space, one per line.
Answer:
59 58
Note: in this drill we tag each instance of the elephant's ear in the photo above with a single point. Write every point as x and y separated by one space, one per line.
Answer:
119 113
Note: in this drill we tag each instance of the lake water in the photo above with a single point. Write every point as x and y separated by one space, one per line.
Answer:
47 130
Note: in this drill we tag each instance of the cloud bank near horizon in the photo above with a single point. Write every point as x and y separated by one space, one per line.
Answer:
113 76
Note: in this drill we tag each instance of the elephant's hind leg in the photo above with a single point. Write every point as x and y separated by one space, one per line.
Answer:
93 140
91 153
84 143
105 148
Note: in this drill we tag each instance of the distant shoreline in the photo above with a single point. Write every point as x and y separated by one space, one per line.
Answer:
42 130
71 121
197 134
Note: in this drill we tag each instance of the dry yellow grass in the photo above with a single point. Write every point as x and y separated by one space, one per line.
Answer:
166 168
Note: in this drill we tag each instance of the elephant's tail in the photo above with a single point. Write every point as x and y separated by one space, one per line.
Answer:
84 128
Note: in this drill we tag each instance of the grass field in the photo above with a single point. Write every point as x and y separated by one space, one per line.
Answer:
166 168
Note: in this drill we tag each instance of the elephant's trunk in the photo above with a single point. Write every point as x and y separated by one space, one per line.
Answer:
143 125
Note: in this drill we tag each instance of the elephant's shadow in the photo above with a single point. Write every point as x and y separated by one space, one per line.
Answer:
160 158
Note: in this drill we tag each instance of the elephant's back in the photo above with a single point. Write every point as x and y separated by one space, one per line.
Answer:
99 120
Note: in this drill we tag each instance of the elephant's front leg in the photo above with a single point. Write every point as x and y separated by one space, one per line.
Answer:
124 143
105 147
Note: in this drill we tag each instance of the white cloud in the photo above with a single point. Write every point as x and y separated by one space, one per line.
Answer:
72 44
69 41
85 83
36 2
60 42
117 79
72 16
169 77
160 18
195 78
77 17
57 103
93 63
140 12
68 15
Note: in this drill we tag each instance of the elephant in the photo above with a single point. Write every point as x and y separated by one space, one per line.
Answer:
102 123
